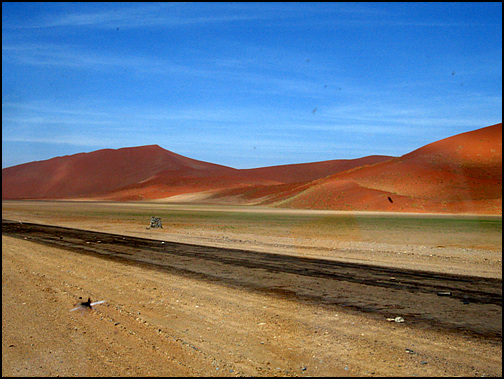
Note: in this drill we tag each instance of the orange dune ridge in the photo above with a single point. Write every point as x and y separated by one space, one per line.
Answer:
459 174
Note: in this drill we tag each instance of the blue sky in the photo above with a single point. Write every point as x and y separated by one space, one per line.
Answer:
246 84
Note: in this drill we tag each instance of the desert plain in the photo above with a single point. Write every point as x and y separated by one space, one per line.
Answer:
179 323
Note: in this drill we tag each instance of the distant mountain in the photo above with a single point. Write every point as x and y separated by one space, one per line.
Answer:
306 172
458 174
99 173
145 172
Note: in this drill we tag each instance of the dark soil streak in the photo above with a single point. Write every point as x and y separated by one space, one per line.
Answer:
379 290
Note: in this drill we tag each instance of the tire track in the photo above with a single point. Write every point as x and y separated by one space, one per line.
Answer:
445 300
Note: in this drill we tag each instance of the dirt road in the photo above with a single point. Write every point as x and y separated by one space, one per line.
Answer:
439 299
179 309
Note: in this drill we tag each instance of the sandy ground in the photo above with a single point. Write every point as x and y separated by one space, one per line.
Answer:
456 252
158 323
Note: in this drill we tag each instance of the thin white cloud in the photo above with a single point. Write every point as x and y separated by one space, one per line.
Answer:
80 140
52 108
139 15
272 76
68 56
237 88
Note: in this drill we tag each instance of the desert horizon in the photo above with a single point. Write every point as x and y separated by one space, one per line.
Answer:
458 174
172 296
397 259
252 189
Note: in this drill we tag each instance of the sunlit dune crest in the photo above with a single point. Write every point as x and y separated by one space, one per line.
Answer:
459 174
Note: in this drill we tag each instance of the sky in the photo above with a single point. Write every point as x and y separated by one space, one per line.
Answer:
246 84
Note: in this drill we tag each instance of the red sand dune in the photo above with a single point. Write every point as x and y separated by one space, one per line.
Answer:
306 172
99 173
462 173
146 172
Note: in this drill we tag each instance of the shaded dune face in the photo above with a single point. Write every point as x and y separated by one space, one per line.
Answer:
147 172
457 174
462 173
99 173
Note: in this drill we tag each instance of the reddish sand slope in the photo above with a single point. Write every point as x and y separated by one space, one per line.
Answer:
99 173
306 172
166 185
148 172
462 173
